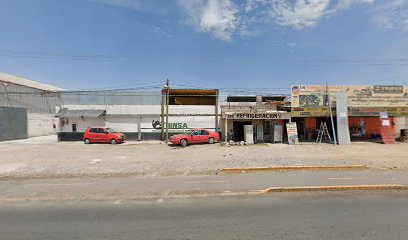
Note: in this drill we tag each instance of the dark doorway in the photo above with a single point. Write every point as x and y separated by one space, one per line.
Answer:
238 128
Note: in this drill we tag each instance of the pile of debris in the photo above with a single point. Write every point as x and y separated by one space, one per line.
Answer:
232 143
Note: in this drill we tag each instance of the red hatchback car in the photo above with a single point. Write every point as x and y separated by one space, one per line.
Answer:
195 136
103 135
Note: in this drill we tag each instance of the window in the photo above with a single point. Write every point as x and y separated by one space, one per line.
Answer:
94 130
102 131
204 133
188 132
74 127
110 130
196 133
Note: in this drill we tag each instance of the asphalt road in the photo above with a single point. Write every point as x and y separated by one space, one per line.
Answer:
325 216
163 187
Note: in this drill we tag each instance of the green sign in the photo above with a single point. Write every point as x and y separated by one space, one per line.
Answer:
177 125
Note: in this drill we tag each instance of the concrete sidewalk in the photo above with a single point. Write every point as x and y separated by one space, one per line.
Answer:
165 187
75 159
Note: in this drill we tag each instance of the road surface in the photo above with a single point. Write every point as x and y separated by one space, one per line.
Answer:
162 187
317 216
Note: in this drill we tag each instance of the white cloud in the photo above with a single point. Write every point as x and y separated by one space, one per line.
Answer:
224 19
218 17
300 14
392 14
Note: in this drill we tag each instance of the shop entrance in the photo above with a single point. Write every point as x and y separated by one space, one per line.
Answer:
238 129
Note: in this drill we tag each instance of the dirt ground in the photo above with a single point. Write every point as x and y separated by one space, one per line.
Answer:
42 158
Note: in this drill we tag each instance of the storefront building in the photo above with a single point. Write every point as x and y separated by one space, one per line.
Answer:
310 107
138 114
254 119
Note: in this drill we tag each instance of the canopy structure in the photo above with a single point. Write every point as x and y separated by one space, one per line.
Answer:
65 113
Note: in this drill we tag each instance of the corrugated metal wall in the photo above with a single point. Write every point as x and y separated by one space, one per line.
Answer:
343 132
34 100
13 123
111 98
40 106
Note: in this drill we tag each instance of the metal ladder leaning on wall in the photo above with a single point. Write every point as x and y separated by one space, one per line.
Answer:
323 131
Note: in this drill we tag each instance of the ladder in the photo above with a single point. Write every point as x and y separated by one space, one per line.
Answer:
323 131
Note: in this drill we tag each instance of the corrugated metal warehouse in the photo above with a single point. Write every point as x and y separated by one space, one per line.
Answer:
38 100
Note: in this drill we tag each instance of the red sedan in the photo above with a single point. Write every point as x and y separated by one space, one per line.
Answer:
195 136
103 135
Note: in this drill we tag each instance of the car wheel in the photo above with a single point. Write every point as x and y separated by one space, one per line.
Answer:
183 143
113 141
87 141
211 141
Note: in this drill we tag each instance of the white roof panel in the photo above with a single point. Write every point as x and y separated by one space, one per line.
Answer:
4 77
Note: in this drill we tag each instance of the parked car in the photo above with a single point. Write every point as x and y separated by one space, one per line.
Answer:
103 135
195 136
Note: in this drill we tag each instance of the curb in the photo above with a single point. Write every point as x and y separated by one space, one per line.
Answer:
336 188
133 197
292 168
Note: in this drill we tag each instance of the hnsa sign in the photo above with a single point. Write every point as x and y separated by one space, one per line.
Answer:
177 126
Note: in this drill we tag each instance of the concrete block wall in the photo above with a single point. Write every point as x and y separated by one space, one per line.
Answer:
133 110
124 123
192 109
39 124
156 109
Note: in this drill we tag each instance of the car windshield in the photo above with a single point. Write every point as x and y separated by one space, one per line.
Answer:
110 130
188 132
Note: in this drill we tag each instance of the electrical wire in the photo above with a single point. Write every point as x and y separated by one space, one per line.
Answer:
375 61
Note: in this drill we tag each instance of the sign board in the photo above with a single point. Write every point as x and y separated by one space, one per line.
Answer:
383 115
247 116
386 122
177 123
387 131
358 96
293 137
364 100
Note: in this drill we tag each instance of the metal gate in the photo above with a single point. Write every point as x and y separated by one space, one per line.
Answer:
13 123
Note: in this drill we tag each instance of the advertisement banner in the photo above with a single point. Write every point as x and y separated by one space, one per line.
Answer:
293 137
358 96
362 100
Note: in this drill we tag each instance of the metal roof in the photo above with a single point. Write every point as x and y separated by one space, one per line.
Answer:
117 97
192 92
80 113
7 78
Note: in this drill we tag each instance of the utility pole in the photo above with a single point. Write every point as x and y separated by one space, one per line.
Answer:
162 115
167 109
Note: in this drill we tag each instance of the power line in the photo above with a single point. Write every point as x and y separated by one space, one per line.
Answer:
127 94
134 86
375 61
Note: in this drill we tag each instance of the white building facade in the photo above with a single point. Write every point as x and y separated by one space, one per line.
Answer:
137 114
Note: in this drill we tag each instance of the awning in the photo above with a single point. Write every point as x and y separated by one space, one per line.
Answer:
80 113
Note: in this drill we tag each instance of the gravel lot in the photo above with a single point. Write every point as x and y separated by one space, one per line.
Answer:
44 157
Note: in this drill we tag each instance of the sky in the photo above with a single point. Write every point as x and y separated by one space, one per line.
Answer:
251 46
